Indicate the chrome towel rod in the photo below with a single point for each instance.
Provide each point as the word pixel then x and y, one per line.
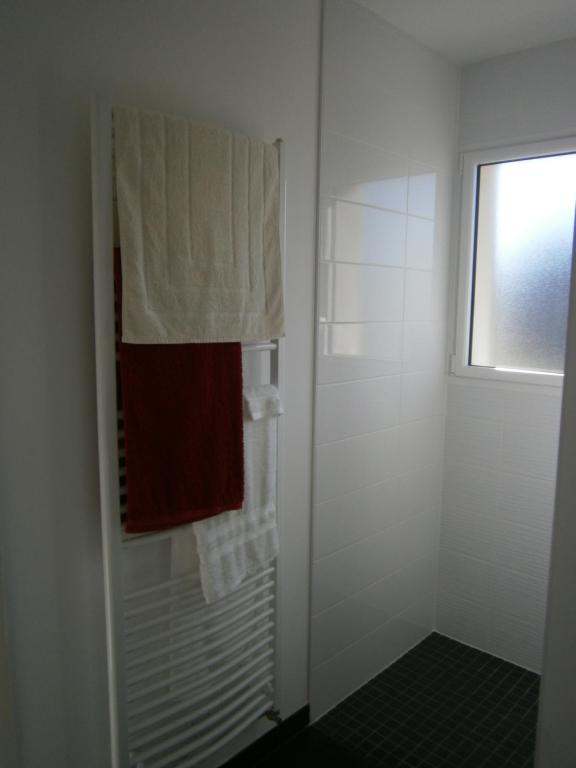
pixel 259 346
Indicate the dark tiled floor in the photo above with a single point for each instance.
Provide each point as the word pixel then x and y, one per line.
pixel 442 705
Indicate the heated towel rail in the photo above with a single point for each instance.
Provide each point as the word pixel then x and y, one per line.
pixel 188 682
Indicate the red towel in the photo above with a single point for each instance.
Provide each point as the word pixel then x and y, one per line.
pixel 183 428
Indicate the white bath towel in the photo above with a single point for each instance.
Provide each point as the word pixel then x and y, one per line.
pixel 198 212
pixel 234 545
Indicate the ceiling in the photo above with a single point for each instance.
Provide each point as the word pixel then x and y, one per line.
pixel 472 30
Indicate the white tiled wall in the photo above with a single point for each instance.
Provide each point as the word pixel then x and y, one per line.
pixel 508 100
pixel 501 443
pixel 410 534
pixel 388 138
pixel 502 438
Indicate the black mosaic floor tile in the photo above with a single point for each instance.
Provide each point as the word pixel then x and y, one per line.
pixel 313 748
pixel 442 705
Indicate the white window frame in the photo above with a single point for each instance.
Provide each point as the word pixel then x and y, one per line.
pixel 469 167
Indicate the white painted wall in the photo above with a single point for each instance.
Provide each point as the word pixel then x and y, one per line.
pixel 518 97
pixel 250 66
pixel 502 438
pixel 388 142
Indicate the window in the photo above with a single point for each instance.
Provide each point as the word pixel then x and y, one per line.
pixel 516 256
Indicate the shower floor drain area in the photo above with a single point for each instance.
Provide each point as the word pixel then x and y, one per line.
pixel 442 705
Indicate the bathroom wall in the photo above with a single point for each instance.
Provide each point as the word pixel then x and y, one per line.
pixel 250 66
pixel 502 438
pixel 501 445
pixel 388 138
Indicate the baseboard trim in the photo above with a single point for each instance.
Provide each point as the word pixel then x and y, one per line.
pixel 272 740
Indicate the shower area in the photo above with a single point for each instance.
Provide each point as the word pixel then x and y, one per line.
pixel 434 486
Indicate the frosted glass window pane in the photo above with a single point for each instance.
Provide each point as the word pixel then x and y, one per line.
pixel 524 231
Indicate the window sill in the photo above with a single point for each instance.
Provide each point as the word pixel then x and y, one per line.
pixel 511 376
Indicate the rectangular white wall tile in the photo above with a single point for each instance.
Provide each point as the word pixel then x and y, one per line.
pixel 356 171
pixel 418 297
pixel 466 577
pixel 473 441
pixel 468 399
pixel 510 545
pixel 420 445
pixel 530 450
pixel 359 565
pixel 534 409
pixel 423 347
pixel 464 620
pixel 353 408
pixel 342 674
pixel 396 123
pixel 520 595
pixel 527 500
pixel 483 627
pixel 354 516
pixel 358 351
pixel 505 402
pixel 355 567
pixel 422 191
pixel 355 462
pixel 419 491
pixel 522 641
pixel 468 534
pixel 417 537
pixel 419 243
pixel 522 548
pixel 362 234
pixel 487 599
pixel 471 489
pixel 351 619
pixel 352 293
pixel 422 395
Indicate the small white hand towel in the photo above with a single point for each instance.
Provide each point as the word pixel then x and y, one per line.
pixel 262 402
pixel 198 212
pixel 237 544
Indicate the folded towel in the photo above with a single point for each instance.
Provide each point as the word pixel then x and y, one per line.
pixel 262 402
pixel 183 427
pixel 236 544
pixel 198 213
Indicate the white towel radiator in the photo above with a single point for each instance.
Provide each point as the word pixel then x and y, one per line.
pixel 189 682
